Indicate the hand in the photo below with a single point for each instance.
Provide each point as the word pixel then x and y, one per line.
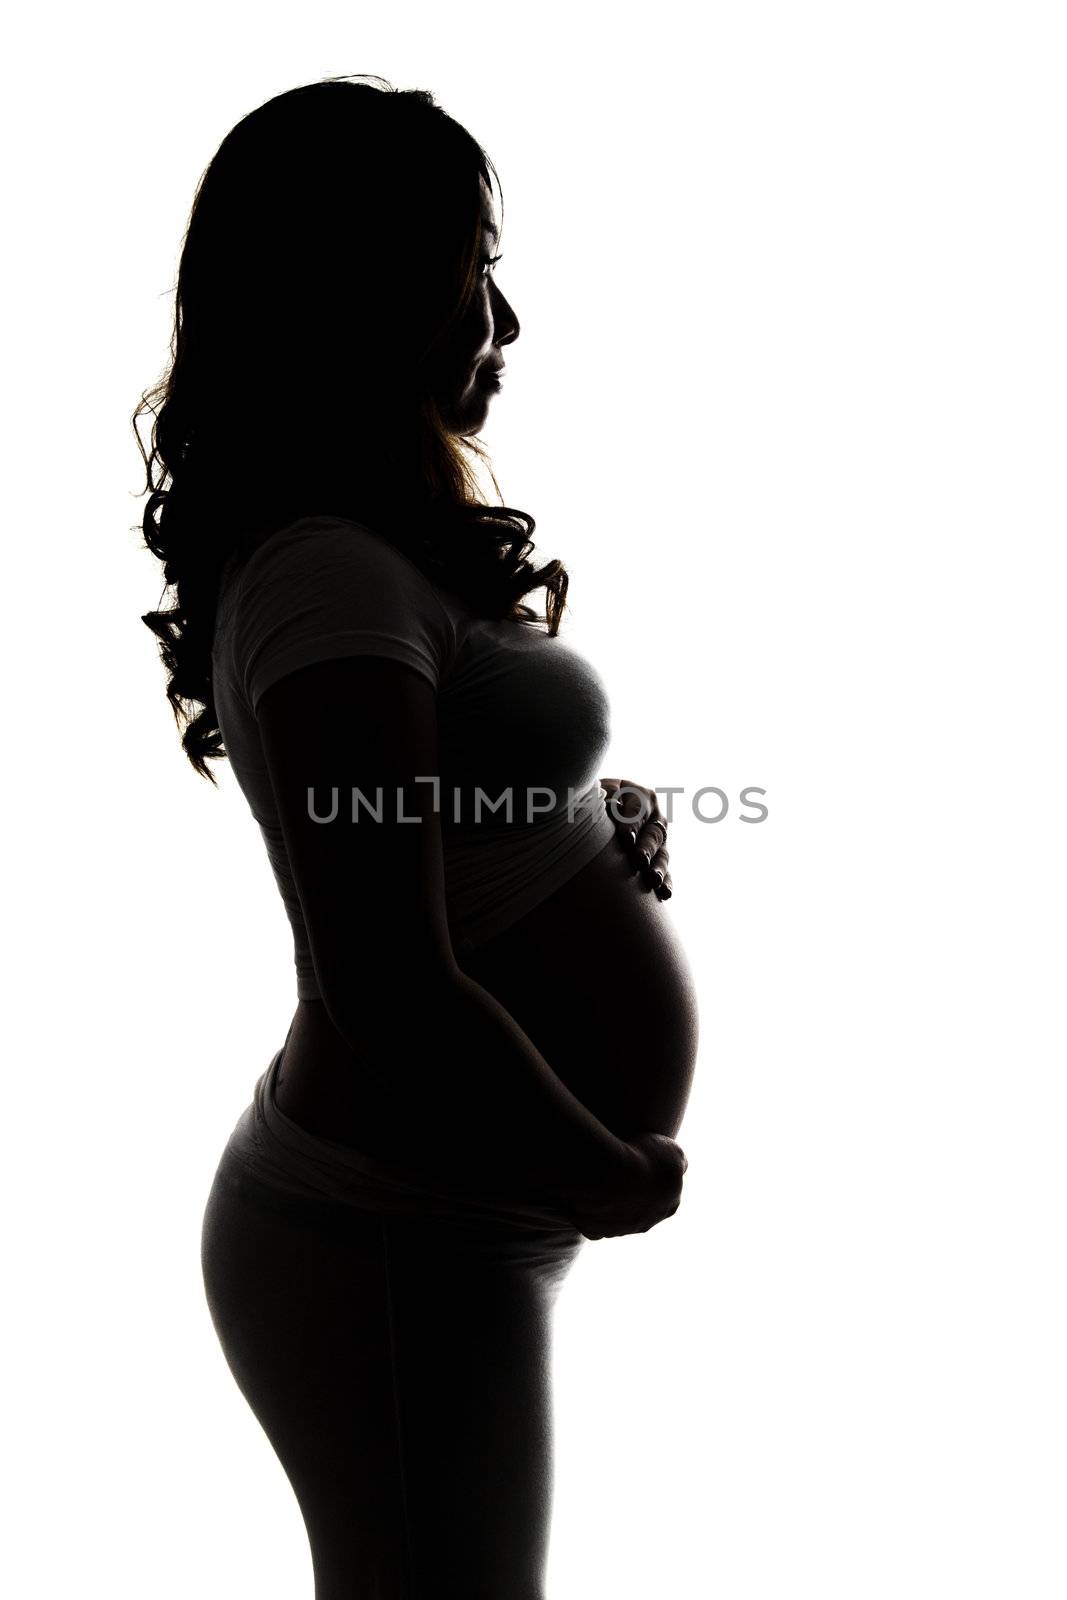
pixel 651 1192
pixel 642 831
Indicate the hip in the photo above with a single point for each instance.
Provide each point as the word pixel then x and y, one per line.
pixel 271 1161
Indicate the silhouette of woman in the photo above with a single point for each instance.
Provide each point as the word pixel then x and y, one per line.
pixel 496 1028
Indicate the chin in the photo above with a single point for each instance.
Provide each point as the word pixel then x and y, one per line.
pixel 471 420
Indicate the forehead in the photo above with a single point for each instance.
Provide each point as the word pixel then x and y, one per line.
pixel 488 215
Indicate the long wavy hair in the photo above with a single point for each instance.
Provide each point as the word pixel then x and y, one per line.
pixel 332 247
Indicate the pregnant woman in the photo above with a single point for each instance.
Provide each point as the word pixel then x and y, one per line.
pixel 495 1028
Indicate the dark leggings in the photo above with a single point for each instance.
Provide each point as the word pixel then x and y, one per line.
pixel 399 1365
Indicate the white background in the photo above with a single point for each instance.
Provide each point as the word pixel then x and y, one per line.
pixel 789 401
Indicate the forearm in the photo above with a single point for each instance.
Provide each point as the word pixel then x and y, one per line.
pixel 459 1090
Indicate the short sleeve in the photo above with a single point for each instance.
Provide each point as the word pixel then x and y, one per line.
pixel 323 589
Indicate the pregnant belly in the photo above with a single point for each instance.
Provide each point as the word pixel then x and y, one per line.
pixel 596 975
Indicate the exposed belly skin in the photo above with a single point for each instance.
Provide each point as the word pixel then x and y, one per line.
pixel 595 975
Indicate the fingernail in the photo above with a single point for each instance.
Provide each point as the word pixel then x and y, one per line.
pixel 658 877
pixel 646 859
pixel 631 834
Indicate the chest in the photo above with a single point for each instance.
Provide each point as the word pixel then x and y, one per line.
pixel 520 707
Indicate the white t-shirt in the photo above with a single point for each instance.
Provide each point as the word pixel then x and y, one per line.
pixel 520 715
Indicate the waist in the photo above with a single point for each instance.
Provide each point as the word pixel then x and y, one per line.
pixel 291 1159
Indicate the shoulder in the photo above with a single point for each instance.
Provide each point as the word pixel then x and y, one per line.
pixel 325 587
pixel 324 542
pixel 319 552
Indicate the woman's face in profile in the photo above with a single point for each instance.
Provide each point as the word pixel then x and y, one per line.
pixel 474 356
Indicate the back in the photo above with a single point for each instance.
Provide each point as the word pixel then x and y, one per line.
pixel 523 720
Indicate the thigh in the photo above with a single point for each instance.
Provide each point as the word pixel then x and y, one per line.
pixel 401 1370
pixel 471 1331
pixel 297 1297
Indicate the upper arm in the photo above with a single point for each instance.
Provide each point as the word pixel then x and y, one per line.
pixel 327 588
pixel 339 644
pixel 372 893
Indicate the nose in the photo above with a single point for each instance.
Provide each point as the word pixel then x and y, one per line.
pixel 505 322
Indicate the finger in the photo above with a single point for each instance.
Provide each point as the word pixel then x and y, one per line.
pixel 657 867
pixel 651 842
pixel 632 807
pixel 624 811
pixel 666 888
pixel 632 803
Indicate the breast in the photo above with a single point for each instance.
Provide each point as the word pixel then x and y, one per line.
pixel 522 710
pixel 597 976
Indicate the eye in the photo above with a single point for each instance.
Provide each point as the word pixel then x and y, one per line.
pixel 488 262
